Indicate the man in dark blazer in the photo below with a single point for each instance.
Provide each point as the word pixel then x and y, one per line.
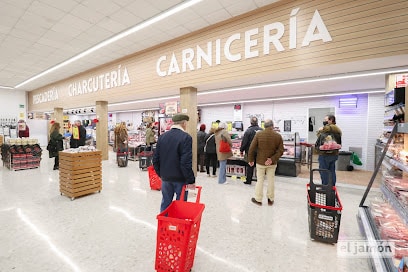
pixel 172 160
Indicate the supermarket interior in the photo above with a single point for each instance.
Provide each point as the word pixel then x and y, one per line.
pixel 96 68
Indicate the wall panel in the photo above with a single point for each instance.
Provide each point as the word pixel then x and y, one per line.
pixel 360 30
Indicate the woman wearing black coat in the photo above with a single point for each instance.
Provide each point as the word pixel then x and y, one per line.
pixel 56 144
pixel 210 153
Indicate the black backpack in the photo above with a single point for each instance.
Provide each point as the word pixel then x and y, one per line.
pixel 328 142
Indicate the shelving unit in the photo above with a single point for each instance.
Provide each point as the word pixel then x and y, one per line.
pixel 394 138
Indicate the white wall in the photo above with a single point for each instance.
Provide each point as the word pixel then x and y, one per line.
pixel 39 129
pixel 10 104
pixel 360 126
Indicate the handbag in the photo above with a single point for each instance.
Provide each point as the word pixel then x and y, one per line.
pixel 224 145
pixel 51 147
pixel 206 142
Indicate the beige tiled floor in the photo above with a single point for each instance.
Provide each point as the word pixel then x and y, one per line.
pixel 115 230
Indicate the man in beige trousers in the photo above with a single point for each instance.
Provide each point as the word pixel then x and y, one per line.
pixel 269 147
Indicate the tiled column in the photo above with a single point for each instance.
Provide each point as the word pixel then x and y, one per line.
pixel 59 116
pixel 188 105
pixel 102 128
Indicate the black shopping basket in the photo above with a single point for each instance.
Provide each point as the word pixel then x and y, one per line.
pixel 122 156
pixel 177 234
pixel 324 210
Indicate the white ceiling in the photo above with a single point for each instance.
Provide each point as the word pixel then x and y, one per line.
pixel 36 35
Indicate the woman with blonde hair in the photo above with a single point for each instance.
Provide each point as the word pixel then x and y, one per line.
pixel 121 138
pixel 55 144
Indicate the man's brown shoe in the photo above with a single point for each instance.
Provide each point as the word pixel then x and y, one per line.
pixel 256 202
pixel 270 202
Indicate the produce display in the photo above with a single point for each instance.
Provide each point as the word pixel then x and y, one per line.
pixel 20 157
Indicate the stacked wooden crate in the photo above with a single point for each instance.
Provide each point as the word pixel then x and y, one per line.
pixel 80 173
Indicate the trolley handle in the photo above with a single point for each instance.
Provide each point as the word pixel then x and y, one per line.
pixel 198 193
pixel 330 183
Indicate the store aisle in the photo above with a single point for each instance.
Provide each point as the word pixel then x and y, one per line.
pixel 115 230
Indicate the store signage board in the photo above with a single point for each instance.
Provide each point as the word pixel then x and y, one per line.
pixel 282 38
pixel 237 112
pixel 401 80
pixel 104 81
pixel 270 36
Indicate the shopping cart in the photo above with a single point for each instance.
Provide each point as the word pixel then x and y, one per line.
pixel 324 210
pixel 177 233
pixel 154 179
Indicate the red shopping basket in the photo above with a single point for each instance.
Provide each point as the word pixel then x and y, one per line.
pixel 177 233
pixel 154 179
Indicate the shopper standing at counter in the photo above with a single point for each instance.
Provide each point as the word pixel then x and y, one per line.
pixel 327 159
pixel 222 135
pixel 210 153
pixel 246 142
pixel 78 137
pixel 150 139
pixel 269 146
pixel 172 160
pixel 201 135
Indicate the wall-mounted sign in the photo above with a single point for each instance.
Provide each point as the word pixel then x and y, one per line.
pixel 269 36
pixel 171 108
pixel 109 80
pixel 47 96
pixel 401 81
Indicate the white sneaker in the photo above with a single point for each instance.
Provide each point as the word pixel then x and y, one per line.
pixel 225 183
pixel 208 175
pixel 214 176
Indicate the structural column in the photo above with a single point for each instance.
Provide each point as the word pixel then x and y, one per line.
pixel 102 128
pixel 59 115
pixel 188 105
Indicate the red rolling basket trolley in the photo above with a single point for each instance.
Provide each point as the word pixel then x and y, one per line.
pixel 324 210
pixel 154 179
pixel 177 233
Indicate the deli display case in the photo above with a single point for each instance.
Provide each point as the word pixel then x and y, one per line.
pixel 289 162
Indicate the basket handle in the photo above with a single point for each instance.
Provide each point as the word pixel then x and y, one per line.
pixel 198 193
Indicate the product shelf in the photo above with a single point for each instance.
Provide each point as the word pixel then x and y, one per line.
pixel 370 232
pixel 393 200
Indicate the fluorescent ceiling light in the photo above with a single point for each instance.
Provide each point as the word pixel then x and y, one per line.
pixel 283 83
pixel 142 25
pixel 294 97
pixel 147 109
pixel 6 87
pixel 309 80
pixel 144 100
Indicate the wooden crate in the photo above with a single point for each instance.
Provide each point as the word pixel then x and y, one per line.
pixel 80 173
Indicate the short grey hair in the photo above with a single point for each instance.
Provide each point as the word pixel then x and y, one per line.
pixel 180 122
pixel 268 123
